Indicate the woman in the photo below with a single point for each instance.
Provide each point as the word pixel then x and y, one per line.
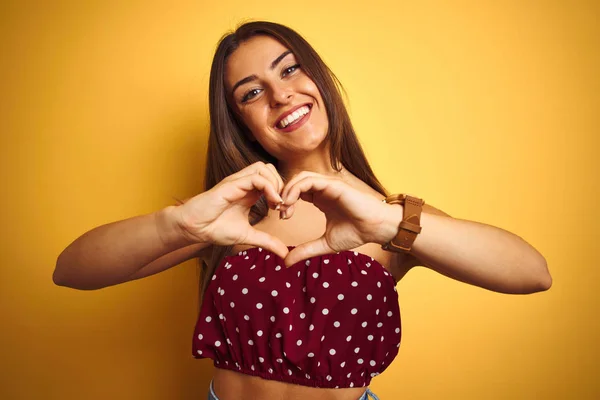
pixel 301 245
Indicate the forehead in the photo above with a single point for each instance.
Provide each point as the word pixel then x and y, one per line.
pixel 253 56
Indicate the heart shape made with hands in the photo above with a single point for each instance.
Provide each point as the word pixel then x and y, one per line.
pixel 353 217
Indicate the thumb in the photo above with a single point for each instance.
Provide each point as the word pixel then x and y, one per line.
pixel 307 250
pixel 261 239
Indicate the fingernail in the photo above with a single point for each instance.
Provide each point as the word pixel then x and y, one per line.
pixel 277 207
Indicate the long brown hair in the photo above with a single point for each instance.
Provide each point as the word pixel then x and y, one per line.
pixel 230 149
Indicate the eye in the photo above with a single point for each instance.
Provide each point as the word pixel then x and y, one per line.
pixel 291 69
pixel 250 95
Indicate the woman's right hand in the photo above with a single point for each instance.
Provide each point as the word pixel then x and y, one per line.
pixel 220 215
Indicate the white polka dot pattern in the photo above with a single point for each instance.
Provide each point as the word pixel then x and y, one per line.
pixel 323 322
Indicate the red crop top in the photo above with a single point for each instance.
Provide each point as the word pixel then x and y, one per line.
pixel 330 321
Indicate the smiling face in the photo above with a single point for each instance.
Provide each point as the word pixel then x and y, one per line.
pixel 276 100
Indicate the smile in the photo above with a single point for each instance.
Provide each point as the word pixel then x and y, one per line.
pixel 294 119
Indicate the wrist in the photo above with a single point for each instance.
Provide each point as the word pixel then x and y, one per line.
pixel 170 228
pixel 392 217
pixel 409 226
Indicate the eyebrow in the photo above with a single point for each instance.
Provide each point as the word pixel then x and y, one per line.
pixel 254 77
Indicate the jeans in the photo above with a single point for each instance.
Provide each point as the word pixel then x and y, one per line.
pixel 367 395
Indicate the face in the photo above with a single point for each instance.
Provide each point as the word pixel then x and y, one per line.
pixel 276 100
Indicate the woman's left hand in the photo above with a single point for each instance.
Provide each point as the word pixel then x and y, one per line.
pixel 353 217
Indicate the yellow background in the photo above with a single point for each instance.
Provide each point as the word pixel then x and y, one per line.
pixel 486 109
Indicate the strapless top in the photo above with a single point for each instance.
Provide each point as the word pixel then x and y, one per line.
pixel 329 321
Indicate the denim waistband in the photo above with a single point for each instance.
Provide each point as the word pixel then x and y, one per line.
pixel 367 395
pixel 211 392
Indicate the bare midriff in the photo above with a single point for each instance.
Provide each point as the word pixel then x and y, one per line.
pixel 231 385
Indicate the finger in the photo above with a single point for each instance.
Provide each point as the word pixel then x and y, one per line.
pixel 261 239
pixel 266 170
pixel 255 182
pixel 308 197
pixel 266 173
pixel 249 170
pixel 270 174
pixel 275 173
pixel 310 185
pixel 267 188
pixel 296 179
pixel 259 167
pixel 307 250
pixel 287 214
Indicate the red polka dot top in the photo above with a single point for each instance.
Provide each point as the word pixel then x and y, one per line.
pixel 331 321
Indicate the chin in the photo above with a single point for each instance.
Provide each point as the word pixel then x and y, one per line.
pixel 312 137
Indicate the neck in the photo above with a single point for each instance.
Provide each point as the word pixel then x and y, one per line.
pixel 318 162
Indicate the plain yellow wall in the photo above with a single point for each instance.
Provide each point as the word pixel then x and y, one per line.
pixel 486 109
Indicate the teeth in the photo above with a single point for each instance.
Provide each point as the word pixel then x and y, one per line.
pixel 296 115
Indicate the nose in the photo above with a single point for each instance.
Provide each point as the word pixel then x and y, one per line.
pixel 280 95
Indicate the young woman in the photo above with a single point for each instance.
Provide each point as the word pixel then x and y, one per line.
pixel 301 246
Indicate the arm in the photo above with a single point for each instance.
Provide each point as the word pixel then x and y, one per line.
pixel 474 253
pixel 125 250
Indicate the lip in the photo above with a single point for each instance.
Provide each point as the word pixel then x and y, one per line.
pixel 290 111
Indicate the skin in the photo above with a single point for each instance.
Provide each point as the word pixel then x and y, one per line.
pixel 275 92
pixel 305 149
pixel 467 251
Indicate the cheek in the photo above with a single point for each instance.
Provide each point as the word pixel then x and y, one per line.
pixel 255 118
pixel 322 108
pixel 249 120
pixel 310 88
